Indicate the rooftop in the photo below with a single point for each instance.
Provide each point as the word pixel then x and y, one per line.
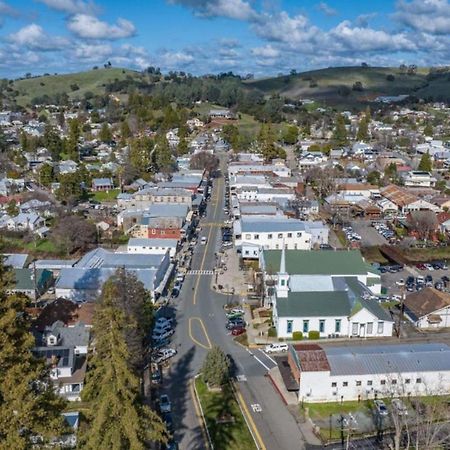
pixel 312 262
pixel 426 301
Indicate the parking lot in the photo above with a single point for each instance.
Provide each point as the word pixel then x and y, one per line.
pixel 369 235
pixel 395 282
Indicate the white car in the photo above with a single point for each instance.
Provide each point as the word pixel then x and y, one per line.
pixel 237 311
pixel 400 407
pixel 204 240
pixel 179 277
pixel 159 335
pixel 276 348
pixel 163 355
pixel 400 282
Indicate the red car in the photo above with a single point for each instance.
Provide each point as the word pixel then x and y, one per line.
pixel 237 331
pixel 421 267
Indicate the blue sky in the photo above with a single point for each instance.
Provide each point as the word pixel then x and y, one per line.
pixel 262 37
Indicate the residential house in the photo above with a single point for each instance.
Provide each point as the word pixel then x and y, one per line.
pixel 419 178
pixel 102 184
pixel 25 221
pixel 350 373
pixel 65 349
pixel 221 114
pixel 32 282
pixel 67 166
pixel 428 308
pixel 405 201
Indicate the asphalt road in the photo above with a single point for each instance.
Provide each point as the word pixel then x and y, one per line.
pixel 200 325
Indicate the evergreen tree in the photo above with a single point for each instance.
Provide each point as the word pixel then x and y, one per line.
pixel 125 131
pixel 117 418
pixel 29 406
pixel 216 367
pixel 426 164
pixel 182 148
pixel 363 130
pixel 52 142
pixel 72 141
pixel 266 140
pixel 340 132
pixel 105 133
pixel 428 130
pixel 290 134
pixel 24 143
pixel 162 155
pixel 46 174
pixel 139 155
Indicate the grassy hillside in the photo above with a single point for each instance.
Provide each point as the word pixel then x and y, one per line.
pixel 327 85
pixel 92 80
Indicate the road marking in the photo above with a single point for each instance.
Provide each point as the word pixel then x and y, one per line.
pixel 249 419
pixel 195 341
pixel 194 298
pixel 256 407
pixel 257 359
pixel 200 272
pixel 199 415
pixel 269 357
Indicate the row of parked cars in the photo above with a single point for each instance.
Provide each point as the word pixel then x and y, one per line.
pixel 384 230
pixel 350 234
pixel 235 321
pixel 434 265
pixel 418 283
pixel 398 407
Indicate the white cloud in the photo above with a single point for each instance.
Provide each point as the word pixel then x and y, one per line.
pixel 34 37
pixel 173 60
pixel 265 52
pixel 72 6
pixel 430 16
pixel 326 9
pixel 232 9
pixel 93 52
pixel 90 27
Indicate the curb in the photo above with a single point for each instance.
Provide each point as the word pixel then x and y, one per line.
pixel 277 388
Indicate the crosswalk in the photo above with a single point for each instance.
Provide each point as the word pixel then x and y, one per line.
pixel 200 272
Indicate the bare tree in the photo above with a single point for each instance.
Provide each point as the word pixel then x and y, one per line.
pixel 424 223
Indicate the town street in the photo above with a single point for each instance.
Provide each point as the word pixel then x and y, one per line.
pixel 201 324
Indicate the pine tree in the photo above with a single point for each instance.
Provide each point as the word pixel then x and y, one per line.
pixel 72 141
pixel 363 130
pixel 163 155
pixel 182 148
pixel 28 404
pixel 340 132
pixel 117 417
pixel 216 367
pixel 426 164
pixel 105 133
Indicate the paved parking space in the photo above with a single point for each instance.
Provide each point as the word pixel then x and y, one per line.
pixel 369 235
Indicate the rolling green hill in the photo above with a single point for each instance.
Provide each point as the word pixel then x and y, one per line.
pixel 333 86
pixel 92 80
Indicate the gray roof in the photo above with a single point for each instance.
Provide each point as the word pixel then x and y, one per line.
pixel 100 257
pixel 15 260
pixel 395 359
pixel 76 336
pixel 153 242
pixel 102 181
pixel 270 224
pixel 166 210
pixel 93 278
pixel 54 264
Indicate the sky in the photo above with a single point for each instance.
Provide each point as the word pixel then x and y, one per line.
pixel 262 37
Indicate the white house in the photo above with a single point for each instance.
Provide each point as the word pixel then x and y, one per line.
pixel 152 246
pixel 428 309
pixel 276 232
pixel 332 374
pixel 419 178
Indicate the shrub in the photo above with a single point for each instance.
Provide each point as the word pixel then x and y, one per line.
pixel 297 336
pixel 273 332
pixel 313 335
pixel 390 77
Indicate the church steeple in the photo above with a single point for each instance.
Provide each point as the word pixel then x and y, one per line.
pixel 283 277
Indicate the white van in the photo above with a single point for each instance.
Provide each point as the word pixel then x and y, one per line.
pixel 276 348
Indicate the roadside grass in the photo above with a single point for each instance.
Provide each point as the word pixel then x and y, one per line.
pixel 225 436
pixel 427 254
pixel 105 196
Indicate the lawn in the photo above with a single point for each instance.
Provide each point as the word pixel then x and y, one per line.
pixel 41 247
pixel 225 436
pixel 106 196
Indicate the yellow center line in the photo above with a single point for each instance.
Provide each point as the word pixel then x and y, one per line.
pixel 196 341
pixel 194 298
pixel 250 419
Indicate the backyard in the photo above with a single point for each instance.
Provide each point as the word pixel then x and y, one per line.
pixel 225 422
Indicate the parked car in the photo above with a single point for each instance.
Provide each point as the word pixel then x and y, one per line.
pixel 162 326
pixel 164 355
pixel 234 315
pixel 235 324
pixel 162 335
pixel 276 348
pixel 380 407
pixel 175 292
pixel 164 404
pixel 237 310
pixel 162 321
pixel 156 377
pixel 400 282
pixel 204 240
pixel 179 277
pixel 237 331
pixel 399 407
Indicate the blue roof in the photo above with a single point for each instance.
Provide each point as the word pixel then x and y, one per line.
pixel 15 260
pixel 102 182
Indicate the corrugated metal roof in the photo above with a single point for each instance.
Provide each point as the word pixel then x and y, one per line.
pixel 269 224
pixel 150 242
pixel 386 359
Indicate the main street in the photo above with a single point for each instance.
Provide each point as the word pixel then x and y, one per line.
pixel 200 325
